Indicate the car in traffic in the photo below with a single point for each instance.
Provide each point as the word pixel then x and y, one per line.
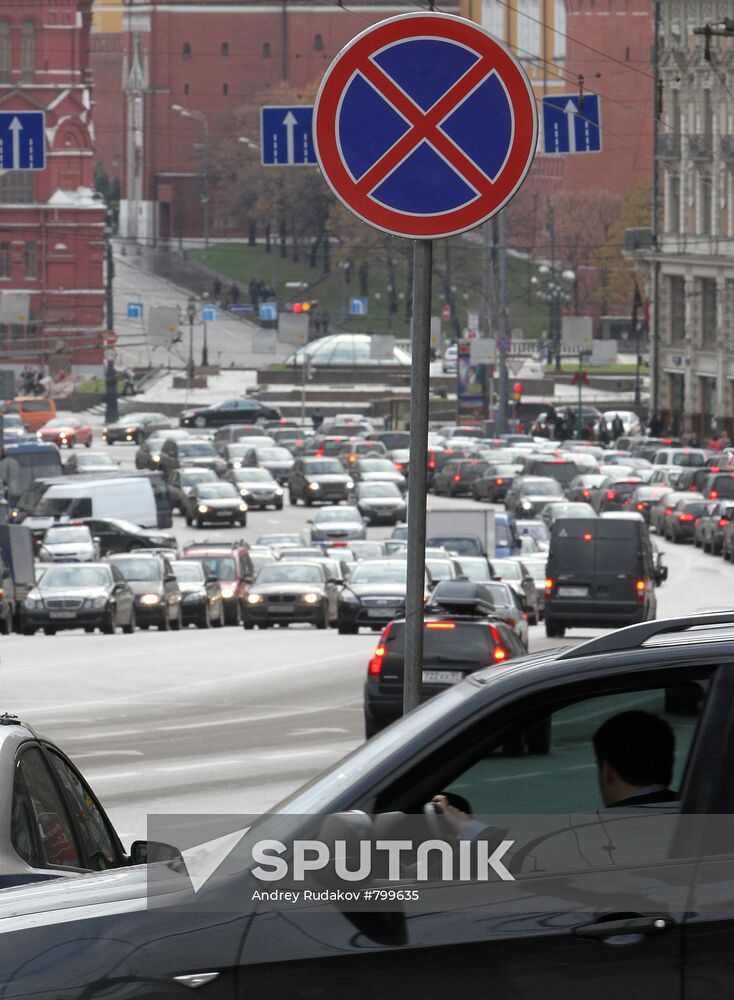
pixel 331 524
pixel 177 454
pixel 318 479
pixel 363 549
pixel 494 482
pixel 614 494
pixel 381 470
pixel 201 594
pixel 662 508
pixel 257 487
pixel 507 605
pixel 118 535
pixel 229 411
pixel 182 481
pixel 644 496
pixel 680 523
pixel 291 591
pixel 563 509
pixel 528 494
pixel 278 461
pixel 582 488
pixel 515 572
pixel 148 453
pixel 460 636
pixel 68 543
pixel 155 588
pixel 478 569
pixel 65 432
pixel 536 529
pixel 88 596
pixel 13 428
pixel 135 427
pixel 231 565
pixel 457 478
pixel 374 594
pixel 89 463
pixel 379 502
pixel 218 503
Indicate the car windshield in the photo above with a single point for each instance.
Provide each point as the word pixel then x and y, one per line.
pixel 536 530
pixel 59 422
pixel 475 568
pixel 190 477
pixel 376 465
pixel 222 567
pixel 76 576
pixel 139 569
pixel 500 594
pixel 217 491
pixel 338 514
pixel 365 550
pixel 273 454
pixel 507 569
pixel 288 573
pixel 378 490
pixel 324 467
pixel 536 568
pixel 440 569
pixel 379 573
pixel 94 458
pixel 60 536
pixel 254 476
pixel 188 571
pixel 695 508
pixel 290 538
pixel 541 488
pixel 196 448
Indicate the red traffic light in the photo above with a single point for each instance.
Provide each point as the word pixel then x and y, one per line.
pixel 517 390
pixel 297 307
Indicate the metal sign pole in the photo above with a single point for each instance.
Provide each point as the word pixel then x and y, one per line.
pixel 420 337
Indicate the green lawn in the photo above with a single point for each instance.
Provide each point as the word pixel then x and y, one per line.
pixel 241 263
pixel 569 367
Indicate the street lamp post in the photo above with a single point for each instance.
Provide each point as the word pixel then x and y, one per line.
pixel 111 407
pixel 549 287
pixel 191 314
pixel 205 341
pixel 202 118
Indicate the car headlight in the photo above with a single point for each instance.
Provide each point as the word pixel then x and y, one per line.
pixel 156 458
pixel 347 597
pixel 33 601
pixel 228 589
pixel 202 508
pixel 279 492
pixel 310 598
pixel 243 506
pixel 244 492
pixel 96 603
pixel 314 486
pixel 236 465
pixel 43 554
pixel 255 598
pixel 150 599
pixel 350 484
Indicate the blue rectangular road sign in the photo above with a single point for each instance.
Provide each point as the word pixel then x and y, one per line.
pixel 209 314
pixel 566 129
pixel 22 140
pixel 135 310
pixel 285 136
pixel 358 306
pixel 269 310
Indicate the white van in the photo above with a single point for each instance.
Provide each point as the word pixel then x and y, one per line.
pixel 131 499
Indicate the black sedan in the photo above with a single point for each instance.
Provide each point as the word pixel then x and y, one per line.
pixel 90 462
pixel 95 595
pixel 135 427
pixel 229 411
pixel 378 470
pixel 220 503
pixel 287 592
pixel 374 595
pixel 494 482
pixel 257 487
pixel 201 594
pixel 182 481
pixel 117 535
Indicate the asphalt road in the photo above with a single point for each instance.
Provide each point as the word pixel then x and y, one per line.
pixel 228 720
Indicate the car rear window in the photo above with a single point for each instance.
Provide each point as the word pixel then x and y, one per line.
pixel 562 472
pixel 448 642
pixel 723 487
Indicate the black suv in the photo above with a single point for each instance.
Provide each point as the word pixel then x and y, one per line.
pixel 639 897
pixel 461 635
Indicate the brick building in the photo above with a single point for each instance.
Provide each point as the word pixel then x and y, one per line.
pixel 51 226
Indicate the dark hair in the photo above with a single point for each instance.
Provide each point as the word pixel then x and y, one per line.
pixel 639 746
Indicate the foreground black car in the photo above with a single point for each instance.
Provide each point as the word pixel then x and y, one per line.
pixel 635 898
pixel 88 596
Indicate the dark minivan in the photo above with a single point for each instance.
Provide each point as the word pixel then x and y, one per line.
pixel 600 573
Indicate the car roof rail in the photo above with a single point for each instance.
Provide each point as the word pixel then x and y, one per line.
pixel 216 543
pixel 635 636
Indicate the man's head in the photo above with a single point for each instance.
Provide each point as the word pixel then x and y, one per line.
pixel 633 750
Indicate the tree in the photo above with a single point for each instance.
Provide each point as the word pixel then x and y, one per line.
pixel 617 272
pixel 583 221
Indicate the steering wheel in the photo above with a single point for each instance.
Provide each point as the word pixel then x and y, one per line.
pixel 437 826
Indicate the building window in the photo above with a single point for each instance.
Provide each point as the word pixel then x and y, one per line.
pixel 16 187
pixel 266 50
pixel 673 203
pixel 186 88
pixel 704 202
pixel 707 124
pixel 677 290
pixel 186 51
pixel 225 89
pixel 708 310
pixel 27 51
pixel 224 50
pixel 4 52
pixel 318 43
pixel 30 260
pixel 4 259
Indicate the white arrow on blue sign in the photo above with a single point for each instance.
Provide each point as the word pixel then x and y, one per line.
pixel 209 314
pixel 22 140
pixel 135 310
pixel 268 311
pixel 567 129
pixel 358 306
pixel 285 136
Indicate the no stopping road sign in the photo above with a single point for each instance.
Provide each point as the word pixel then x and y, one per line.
pixel 424 125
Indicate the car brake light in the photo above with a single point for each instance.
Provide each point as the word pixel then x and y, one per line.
pixel 640 587
pixel 685 517
pixel 723 521
pixel 449 451
pixel 713 494
pixel 375 666
pixel 320 453
pixel 399 466
pixel 611 495
pixel 500 653
pixel 548 586
pixel 667 512
pixel 457 477
pixel 640 506
pixel 587 536
pixel 586 493
pixel 445 626
pixel 431 462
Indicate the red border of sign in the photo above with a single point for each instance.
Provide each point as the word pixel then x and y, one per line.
pixel 338 76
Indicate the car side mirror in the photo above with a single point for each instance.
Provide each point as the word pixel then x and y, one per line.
pixel 211 579
pixel 661 575
pixel 310 521
pixel 96 539
pixel 334 580
pixel 148 852
pixel 170 578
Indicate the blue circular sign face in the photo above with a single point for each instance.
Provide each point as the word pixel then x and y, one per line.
pixel 424 125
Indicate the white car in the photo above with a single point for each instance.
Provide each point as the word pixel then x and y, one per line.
pixel 69 543
pixel 630 421
pixel 450 356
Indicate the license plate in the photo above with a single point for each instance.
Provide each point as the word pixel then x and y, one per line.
pixel 573 591
pixel 379 612
pixel 224 513
pixel 283 608
pixel 62 614
pixel 442 676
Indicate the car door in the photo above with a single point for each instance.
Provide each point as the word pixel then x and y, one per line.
pixel 123 596
pixel 597 897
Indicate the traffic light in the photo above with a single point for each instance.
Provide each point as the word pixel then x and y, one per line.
pixel 301 307
pixel 517 391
